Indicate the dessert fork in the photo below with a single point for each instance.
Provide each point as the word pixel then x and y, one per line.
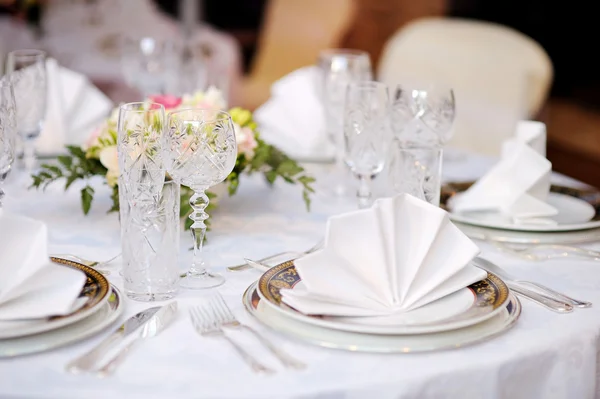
pixel 205 323
pixel 291 254
pixel 226 317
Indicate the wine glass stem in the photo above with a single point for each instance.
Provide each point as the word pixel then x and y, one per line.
pixel 199 202
pixel 29 155
pixel 364 191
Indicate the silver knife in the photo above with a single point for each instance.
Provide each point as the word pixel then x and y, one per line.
pixel 543 300
pixel 256 265
pixel 151 328
pixel 86 362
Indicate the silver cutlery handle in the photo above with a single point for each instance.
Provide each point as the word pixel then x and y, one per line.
pixel 284 358
pixel 87 361
pixel 256 366
pixel 549 303
pixel 562 297
pixel 245 266
pixel 116 360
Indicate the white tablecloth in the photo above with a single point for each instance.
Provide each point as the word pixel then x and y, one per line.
pixel 545 355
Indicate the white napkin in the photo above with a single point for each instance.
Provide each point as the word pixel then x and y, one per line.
pixel 518 185
pixel 75 108
pixel 30 285
pixel 293 118
pixel 396 256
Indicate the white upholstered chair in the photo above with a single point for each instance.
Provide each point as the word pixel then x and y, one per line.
pixel 498 74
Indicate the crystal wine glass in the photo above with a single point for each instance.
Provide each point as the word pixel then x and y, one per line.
pixel 366 133
pixel 27 69
pixel 199 151
pixel 8 131
pixel 339 67
pixel 150 65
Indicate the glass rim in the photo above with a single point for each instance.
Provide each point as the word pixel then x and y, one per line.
pixel 129 107
pixel 367 84
pixel 27 54
pixel 225 114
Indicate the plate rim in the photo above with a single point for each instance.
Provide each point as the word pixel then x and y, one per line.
pixel 75 316
pixel 101 325
pixel 513 317
pixel 262 284
pixel 450 189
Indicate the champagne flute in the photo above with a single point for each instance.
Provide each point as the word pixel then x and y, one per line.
pixel 199 151
pixel 27 69
pixel 8 131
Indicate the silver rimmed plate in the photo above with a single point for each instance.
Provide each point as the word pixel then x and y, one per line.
pixel 93 296
pixel 108 313
pixel 469 306
pixel 357 342
pixel 578 209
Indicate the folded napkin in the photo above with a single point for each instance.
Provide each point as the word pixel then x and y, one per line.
pixel 74 109
pixel 518 185
pixel 30 285
pixel 396 256
pixel 293 118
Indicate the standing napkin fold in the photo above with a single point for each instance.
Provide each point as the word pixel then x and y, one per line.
pixel 399 255
pixel 30 285
pixel 293 118
pixel 518 185
pixel 75 108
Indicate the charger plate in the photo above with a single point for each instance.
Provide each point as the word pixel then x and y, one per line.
pixel 474 304
pixel 578 209
pixel 108 313
pixel 357 342
pixel 93 295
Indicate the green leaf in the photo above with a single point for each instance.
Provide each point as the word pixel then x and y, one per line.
pixel 54 169
pixel 65 161
pixel 271 175
pixel 87 196
pixel 76 151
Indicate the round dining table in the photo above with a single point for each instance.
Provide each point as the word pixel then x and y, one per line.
pixel 544 355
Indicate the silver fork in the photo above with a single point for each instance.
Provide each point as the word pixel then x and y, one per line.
pixel 535 253
pixel 227 319
pixel 291 254
pixel 205 323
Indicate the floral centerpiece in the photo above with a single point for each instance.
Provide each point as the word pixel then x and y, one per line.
pixel 99 155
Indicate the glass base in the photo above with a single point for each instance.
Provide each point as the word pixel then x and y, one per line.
pixel 151 297
pixel 201 281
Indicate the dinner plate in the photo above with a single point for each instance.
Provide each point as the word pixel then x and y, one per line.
pixel 108 313
pixel 471 305
pixel 578 209
pixel 358 342
pixel 93 295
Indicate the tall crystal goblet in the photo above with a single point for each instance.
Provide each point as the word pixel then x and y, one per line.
pixel 366 133
pixel 27 69
pixel 8 131
pixel 199 151
pixel 339 68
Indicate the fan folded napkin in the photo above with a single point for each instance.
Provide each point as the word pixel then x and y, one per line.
pixel 293 118
pixel 396 256
pixel 518 185
pixel 30 285
pixel 74 109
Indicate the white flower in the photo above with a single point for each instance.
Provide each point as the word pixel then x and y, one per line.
pixel 246 143
pixel 109 159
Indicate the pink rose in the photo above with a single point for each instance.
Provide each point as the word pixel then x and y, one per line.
pixel 168 101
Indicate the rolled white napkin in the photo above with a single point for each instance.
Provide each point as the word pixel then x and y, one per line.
pixel 293 118
pixel 518 185
pixel 75 107
pixel 30 285
pixel 396 256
